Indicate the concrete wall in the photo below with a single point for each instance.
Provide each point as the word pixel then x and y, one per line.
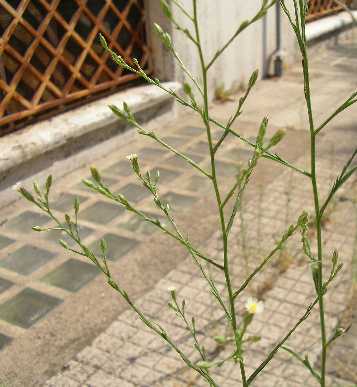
pixel 218 21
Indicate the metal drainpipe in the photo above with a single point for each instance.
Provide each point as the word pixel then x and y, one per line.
pixel 278 60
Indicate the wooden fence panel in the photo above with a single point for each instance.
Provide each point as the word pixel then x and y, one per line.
pixel 50 55
pixel 322 8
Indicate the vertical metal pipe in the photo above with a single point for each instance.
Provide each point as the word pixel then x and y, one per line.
pixel 278 61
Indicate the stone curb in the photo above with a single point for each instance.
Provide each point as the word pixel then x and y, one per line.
pixel 36 146
pixel 325 26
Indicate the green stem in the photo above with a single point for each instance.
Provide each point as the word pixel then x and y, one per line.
pixel 205 117
pixel 320 291
pixel 242 371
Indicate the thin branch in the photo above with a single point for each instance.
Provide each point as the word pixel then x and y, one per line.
pixel 341 179
pixel 281 342
pixel 292 229
pixel 118 198
pixel 349 102
pixel 178 153
pixel 261 13
pixel 305 362
pixel 187 71
pixel 238 112
pixel 266 154
pixel 182 9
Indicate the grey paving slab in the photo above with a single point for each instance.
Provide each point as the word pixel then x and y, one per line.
pixel 27 307
pixel 178 162
pixel 4 340
pixel 134 192
pixel 175 141
pixel 196 183
pixel 72 275
pixel 152 153
pixel 81 186
pixel 5 284
pixel 238 155
pixel 179 201
pixel 56 235
pixel 117 246
pixel 26 259
pixel 165 175
pixel 225 169
pixel 5 241
pixel 191 131
pixel 25 221
pixel 121 168
pixel 200 147
pixel 140 226
pixel 101 212
pixel 65 202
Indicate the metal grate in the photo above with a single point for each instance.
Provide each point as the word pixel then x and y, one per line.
pixel 50 55
pixel 322 8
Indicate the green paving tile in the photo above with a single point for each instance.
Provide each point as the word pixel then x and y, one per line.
pixel 5 241
pixel 101 212
pixel 27 307
pixel 191 131
pixel 179 162
pixel 65 202
pixel 4 284
pixel 26 220
pixel 134 192
pixel 4 340
pixel 177 200
pixel 117 246
pixel 72 275
pixel 166 175
pixel 26 260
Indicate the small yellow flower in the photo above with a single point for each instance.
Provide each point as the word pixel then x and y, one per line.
pixel 132 156
pixel 171 289
pixel 254 306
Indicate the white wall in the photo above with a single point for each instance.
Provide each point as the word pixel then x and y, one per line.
pixel 218 21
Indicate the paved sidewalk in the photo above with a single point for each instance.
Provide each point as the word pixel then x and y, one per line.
pixel 57 304
pixel 130 355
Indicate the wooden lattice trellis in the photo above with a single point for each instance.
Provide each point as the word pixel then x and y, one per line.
pixel 50 55
pixel 321 8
